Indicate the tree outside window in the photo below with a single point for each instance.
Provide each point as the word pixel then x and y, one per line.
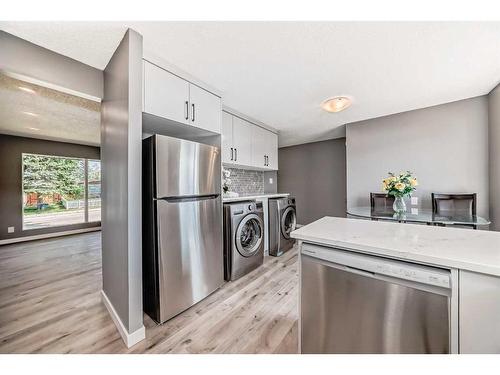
pixel 55 191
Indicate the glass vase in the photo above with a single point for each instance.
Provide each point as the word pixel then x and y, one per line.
pixel 399 205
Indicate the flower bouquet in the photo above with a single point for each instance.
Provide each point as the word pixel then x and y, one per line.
pixel 399 186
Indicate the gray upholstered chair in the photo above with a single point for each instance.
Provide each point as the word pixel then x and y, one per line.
pixel 455 205
pixel 381 204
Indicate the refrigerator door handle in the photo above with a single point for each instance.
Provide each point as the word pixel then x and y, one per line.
pixel 188 198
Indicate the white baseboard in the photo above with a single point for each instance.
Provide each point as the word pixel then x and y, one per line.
pixel 48 235
pixel 130 339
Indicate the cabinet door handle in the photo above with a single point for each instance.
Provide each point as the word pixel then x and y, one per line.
pixel 192 106
pixel 231 153
pixel 264 160
pixel 187 109
pixel 235 154
pixel 267 161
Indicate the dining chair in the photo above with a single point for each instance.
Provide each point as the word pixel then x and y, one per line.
pixel 381 203
pixel 455 204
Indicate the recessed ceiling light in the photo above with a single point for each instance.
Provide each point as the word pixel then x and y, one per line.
pixel 27 89
pixel 336 104
pixel 31 114
pixel 30 128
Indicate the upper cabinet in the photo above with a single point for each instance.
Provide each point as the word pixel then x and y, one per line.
pixel 242 141
pixel 169 96
pixel 248 145
pixel 227 138
pixel 205 109
pixel 272 151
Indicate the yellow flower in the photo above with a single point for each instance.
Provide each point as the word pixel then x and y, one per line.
pixel 414 182
pixel 393 179
pixel 400 186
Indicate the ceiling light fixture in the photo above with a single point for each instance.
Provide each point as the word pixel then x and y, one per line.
pixel 336 104
pixel 30 114
pixel 27 89
pixel 30 128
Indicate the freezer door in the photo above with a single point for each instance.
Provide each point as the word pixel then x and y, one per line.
pixel 185 168
pixel 190 252
pixel 347 312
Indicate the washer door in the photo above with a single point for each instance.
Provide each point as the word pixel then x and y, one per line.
pixel 288 222
pixel 249 235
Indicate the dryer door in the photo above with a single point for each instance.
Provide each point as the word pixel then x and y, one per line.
pixel 249 235
pixel 288 221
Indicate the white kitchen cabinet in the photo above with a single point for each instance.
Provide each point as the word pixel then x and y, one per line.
pixel 171 97
pixel 272 151
pixel 245 144
pixel 165 94
pixel 242 141
pixel 478 313
pixel 259 146
pixel 265 148
pixel 227 138
pixel 205 109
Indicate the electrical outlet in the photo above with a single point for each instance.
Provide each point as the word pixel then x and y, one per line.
pixel 10 230
pixel 270 180
pixel 414 201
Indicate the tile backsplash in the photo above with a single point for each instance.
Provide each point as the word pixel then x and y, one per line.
pixel 246 182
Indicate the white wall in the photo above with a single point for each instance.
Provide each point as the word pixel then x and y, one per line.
pixel 494 149
pixel 446 146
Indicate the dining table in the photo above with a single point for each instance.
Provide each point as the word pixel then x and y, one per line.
pixel 418 215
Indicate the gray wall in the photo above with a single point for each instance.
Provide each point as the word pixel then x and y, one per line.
pixel 494 157
pixel 315 174
pixel 11 197
pixel 121 155
pixel 30 61
pixel 270 182
pixel 446 146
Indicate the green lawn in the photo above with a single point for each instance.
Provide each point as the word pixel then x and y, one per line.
pixel 52 208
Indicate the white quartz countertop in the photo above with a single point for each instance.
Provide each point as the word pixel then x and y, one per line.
pixel 467 249
pixel 250 197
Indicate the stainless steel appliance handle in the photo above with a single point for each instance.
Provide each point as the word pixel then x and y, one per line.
pixel 188 198
pixel 187 109
pixel 192 106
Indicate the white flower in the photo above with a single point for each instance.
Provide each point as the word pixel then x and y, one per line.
pixel 228 181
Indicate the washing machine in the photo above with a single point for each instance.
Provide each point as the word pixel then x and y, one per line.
pixel 282 221
pixel 243 238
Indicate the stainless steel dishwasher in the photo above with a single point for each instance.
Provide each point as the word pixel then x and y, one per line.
pixel 355 303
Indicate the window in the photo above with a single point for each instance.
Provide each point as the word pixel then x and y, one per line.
pixel 60 191
pixel 94 190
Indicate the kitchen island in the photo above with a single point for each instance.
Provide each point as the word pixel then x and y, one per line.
pixel 401 288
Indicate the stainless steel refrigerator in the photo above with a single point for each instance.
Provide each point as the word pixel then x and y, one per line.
pixel 182 225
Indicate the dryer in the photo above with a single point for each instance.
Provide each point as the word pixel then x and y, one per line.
pixel 243 238
pixel 282 221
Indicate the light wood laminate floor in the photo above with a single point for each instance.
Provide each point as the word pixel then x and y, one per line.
pixel 50 303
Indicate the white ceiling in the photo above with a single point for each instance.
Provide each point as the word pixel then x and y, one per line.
pixel 280 72
pixel 47 114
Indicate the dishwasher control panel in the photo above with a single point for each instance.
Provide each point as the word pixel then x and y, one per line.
pixel 371 264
